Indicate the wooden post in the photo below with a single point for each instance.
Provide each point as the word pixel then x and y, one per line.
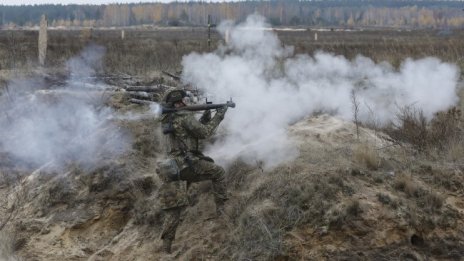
pixel 43 40
pixel 227 36
pixel 209 32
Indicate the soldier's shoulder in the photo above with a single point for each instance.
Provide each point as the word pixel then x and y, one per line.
pixel 180 116
pixel 177 114
pixel 183 114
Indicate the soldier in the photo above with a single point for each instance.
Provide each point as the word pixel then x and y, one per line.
pixel 186 163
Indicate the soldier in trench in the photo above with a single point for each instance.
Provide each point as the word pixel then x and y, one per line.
pixel 186 163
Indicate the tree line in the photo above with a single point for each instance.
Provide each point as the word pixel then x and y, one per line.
pixel 381 13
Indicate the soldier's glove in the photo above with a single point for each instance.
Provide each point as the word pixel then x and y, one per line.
pixel 222 111
pixel 206 117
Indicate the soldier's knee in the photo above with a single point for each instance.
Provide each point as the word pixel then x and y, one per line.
pixel 219 173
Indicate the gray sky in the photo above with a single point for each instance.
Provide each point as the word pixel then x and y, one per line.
pixel 31 2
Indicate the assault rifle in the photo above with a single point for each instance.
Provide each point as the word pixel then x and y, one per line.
pixel 198 107
pixel 173 76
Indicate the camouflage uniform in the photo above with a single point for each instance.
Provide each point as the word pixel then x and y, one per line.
pixel 183 145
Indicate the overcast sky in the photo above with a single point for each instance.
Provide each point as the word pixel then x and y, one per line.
pixel 32 2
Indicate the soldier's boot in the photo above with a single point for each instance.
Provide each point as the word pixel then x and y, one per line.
pixel 220 191
pixel 220 209
pixel 171 221
pixel 167 243
pixel 220 202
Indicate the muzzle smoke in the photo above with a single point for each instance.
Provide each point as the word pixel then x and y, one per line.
pixel 64 124
pixel 274 88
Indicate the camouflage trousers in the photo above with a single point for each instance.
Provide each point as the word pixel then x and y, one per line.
pixel 172 219
pixel 201 170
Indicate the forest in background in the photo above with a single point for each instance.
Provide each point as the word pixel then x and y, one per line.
pixel 346 13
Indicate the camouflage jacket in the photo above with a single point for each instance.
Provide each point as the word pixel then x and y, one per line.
pixel 187 132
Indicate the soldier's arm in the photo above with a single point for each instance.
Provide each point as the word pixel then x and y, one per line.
pixel 202 131
pixel 206 117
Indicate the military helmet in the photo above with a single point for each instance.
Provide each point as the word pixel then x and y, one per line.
pixel 173 96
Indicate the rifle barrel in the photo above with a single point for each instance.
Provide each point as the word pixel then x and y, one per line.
pixel 175 77
pixel 142 89
pixel 198 107
pixel 141 102
pixel 154 88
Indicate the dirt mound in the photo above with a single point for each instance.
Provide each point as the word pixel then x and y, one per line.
pixel 343 197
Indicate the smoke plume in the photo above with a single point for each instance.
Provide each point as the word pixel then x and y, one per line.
pixel 60 124
pixel 273 88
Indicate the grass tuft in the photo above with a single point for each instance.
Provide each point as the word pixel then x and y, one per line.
pixel 367 156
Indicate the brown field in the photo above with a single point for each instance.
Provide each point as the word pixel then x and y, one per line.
pixel 143 51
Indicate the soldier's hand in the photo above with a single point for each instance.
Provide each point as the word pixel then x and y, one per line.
pixel 207 115
pixel 222 110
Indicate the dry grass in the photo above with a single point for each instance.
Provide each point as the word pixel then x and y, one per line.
pixel 446 128
pixel 7 246
pixel 455 151
pixel 405 183
pixel 426 200
pixel 384 198
pixel 451 179
pixel 143 51
pixel 281 203
pixel 411 127
pixel 432 201
pixel 443 135
pixel 340 215
pixel 367 156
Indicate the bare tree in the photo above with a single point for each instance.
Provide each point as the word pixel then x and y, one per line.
pixel 372 121
pixel 355 104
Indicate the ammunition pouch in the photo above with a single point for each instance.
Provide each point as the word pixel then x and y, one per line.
pixel 168 170
pixel 167 128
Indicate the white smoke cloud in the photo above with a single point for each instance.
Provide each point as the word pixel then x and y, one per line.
pixel 274 88
pixel 66 124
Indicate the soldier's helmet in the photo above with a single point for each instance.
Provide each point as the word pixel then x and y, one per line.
pixel 173 96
